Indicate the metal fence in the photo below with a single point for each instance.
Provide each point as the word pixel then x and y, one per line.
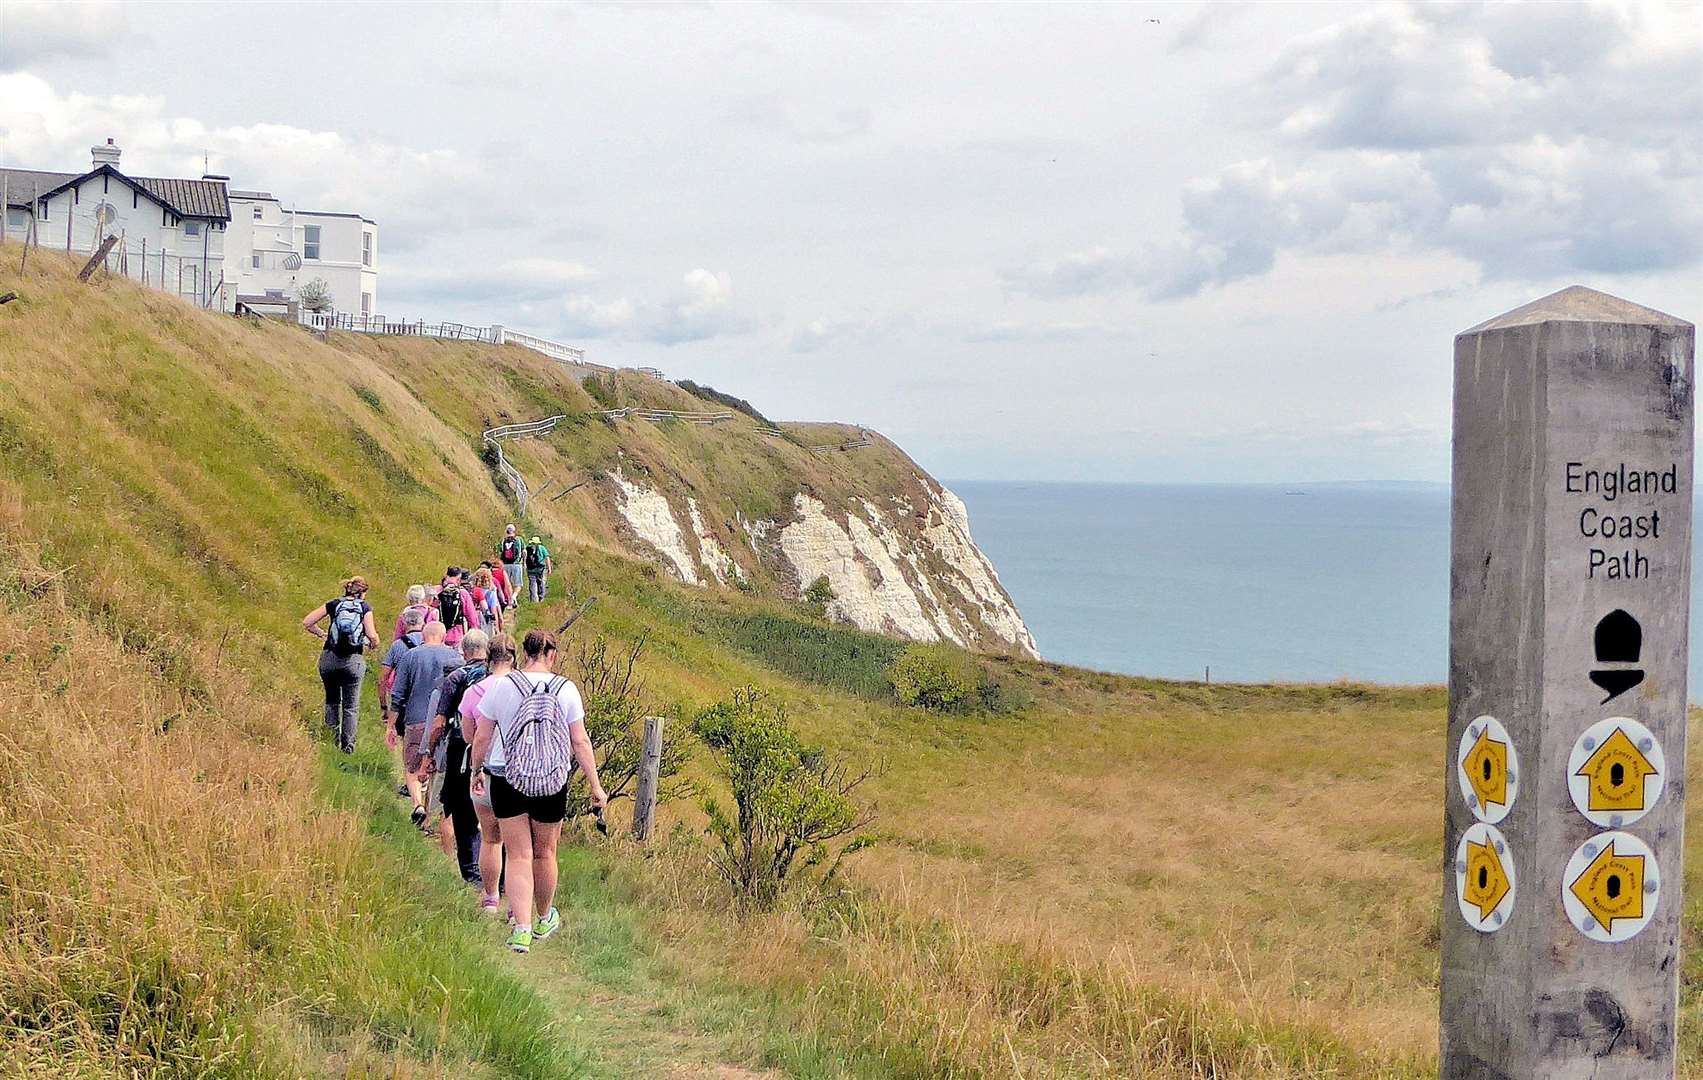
pixel 382 325
pixel 449 331
pixel 493 438
pixel 568 354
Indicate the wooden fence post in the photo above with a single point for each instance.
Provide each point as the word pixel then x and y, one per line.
pixel 650 766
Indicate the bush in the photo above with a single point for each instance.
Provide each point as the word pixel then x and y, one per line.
pixel 315 295
pixel 710 393
pixel 789 800
pixel 820 592
pixel 604 390
pixel 933 677
pixel 370 396
pixel 835 656
pixel 615 711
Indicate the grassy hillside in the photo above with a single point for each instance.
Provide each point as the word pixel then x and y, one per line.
pixel 1102 877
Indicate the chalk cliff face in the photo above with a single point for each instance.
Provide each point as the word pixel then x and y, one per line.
pixel 900 563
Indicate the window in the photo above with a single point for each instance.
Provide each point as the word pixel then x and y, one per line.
pixel 275 294
pixel 135 199
pixel 257 211
pixel 44 205
pixel 310 241
pixel 366 303
pixel 366 249
pixel 254 260
pixel 17 219
pixel 192 228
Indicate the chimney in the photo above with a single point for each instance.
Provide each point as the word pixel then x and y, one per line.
pixel 105 155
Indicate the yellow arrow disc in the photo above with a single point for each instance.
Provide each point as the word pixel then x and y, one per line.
pixel 1616 772
pixel 1487 769
pixel 1486 766
pixel 1612 886
pixel 1486 881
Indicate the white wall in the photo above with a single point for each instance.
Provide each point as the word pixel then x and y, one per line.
pixel 191 267
pixel 279 233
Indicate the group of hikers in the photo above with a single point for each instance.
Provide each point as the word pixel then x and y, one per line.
pixel 485 731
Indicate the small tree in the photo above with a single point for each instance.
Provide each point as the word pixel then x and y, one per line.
pixel 789 799
pixel 315 296
pixel 615 711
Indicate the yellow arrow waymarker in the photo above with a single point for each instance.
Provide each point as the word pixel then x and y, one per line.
pixel 1616 772
pixel 1486 881
pixel 1486 768
pixel 1612 887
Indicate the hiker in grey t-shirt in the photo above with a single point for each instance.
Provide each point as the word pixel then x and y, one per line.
pixel 417 678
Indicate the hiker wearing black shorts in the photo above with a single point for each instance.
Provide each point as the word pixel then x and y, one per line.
pixel 349 633
pixel 531 730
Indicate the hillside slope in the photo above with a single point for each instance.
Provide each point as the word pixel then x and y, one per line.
pixel 730 504
pixel 1091 876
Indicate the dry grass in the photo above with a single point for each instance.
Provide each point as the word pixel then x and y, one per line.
pixel 179 897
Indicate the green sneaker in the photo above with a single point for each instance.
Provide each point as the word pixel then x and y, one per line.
pixel 549 924
pixel 521 940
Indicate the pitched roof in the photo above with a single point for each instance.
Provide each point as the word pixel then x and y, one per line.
pixel 186 198
pixel 19 183
pixel 190 198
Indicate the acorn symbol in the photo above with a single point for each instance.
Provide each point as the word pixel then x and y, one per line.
pixel 1619 641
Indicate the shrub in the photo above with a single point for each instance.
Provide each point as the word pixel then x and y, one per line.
pixel 710 393
pixel 615 711
pixel 603 390
pixel 933 677
pixel 315 295
pixel 370 396
pixel 789 799
pixel 820 592
pixel 835 656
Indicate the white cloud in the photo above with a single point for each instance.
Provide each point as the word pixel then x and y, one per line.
pixel 1534 140
pixel 519 280
pixel 702 309
pixel 33 32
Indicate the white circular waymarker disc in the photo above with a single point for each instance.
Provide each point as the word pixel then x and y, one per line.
pixel 1484 878
pixel 1488 769
pixel 1611 887
pixel 1616 772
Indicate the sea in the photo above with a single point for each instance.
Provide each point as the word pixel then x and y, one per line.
pixel 1242 582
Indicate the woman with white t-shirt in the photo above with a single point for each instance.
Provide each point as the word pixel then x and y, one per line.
pixel 530 825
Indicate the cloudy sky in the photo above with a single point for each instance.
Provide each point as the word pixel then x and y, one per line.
pixel 1143 242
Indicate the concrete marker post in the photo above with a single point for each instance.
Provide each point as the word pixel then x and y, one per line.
pixel 1569 590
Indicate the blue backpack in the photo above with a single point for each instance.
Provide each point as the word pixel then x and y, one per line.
pixel 347 635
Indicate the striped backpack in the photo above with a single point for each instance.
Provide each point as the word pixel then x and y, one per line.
pixel 537 752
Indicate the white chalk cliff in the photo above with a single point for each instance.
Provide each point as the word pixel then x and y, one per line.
pixel 647 513
pixel 905 571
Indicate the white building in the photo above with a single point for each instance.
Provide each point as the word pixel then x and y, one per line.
pixel 278 250
pixel 196 238
pixel 172 232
